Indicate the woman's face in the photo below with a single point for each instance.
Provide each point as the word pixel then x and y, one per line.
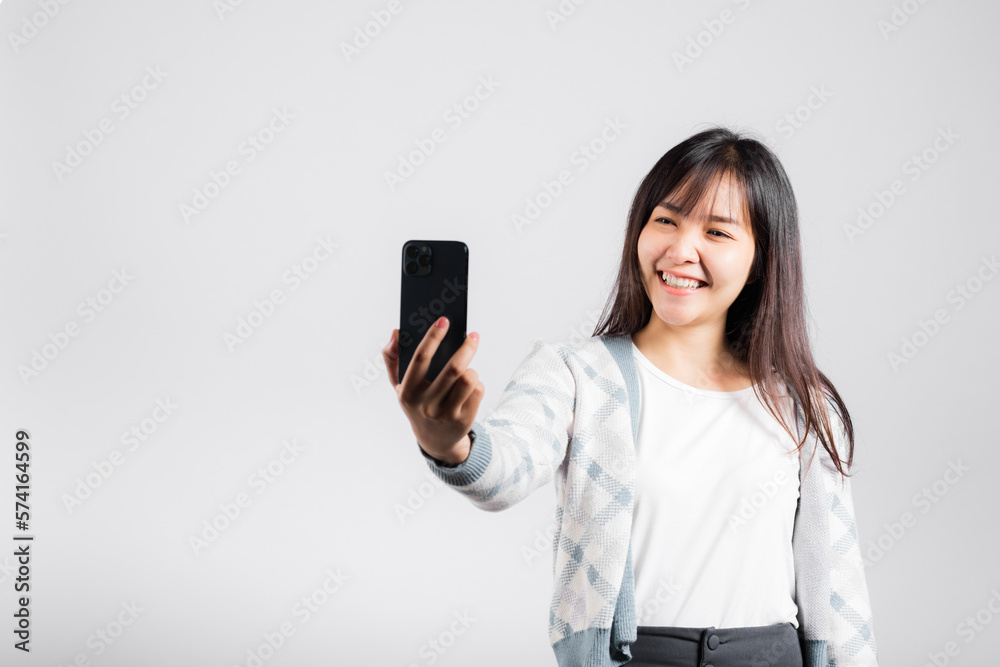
pixel 705 247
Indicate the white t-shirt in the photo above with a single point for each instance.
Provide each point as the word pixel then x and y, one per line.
pixel 715 500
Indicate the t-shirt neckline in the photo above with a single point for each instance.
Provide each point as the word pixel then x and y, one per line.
pixel 655 370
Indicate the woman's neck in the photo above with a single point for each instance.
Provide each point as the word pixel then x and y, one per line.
pixel 686 356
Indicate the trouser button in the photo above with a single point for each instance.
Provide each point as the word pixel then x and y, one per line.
pixel 713 643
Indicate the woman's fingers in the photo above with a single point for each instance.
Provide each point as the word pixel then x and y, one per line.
pixel 415 376
pixel 440 412
pixel 453 403
pixel 390 354
pixel 451 373
pixel 470 408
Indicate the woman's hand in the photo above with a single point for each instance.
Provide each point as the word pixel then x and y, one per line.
pixel 440 412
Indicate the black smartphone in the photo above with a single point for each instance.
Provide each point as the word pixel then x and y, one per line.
pixel 434 282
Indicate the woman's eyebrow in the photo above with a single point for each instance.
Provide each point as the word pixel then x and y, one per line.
pixel 712 218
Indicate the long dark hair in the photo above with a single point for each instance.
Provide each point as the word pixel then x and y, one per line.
pixel 765 325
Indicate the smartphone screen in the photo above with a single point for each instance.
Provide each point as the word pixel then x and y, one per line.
pixel 434 282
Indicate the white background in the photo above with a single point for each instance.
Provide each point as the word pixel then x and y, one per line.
pixel 312 372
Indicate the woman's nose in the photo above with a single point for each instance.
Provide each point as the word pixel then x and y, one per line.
pixel 683 248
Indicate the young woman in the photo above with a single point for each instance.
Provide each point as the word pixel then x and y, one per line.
pixel 680 436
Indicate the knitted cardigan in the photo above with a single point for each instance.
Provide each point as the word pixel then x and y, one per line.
pixel 570 413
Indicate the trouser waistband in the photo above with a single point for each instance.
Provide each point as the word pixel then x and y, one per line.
pixel 771 645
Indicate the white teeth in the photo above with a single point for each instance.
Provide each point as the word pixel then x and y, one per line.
pixel 683 283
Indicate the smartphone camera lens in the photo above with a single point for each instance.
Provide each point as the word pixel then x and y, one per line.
pixel 417 259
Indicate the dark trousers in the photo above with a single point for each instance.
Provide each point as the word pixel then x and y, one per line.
pixel 767 646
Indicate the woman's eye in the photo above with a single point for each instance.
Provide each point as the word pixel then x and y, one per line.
pixel 714 232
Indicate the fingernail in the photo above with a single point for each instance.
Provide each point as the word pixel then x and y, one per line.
pixel 474 336
pixel 442 322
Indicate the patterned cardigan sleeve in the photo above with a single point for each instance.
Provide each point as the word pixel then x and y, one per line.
pixel 852 636
pixel 520 444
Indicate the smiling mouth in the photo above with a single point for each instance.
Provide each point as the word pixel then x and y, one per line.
pixel 680 283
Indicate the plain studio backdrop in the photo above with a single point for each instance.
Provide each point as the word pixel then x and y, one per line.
pixel 203 206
